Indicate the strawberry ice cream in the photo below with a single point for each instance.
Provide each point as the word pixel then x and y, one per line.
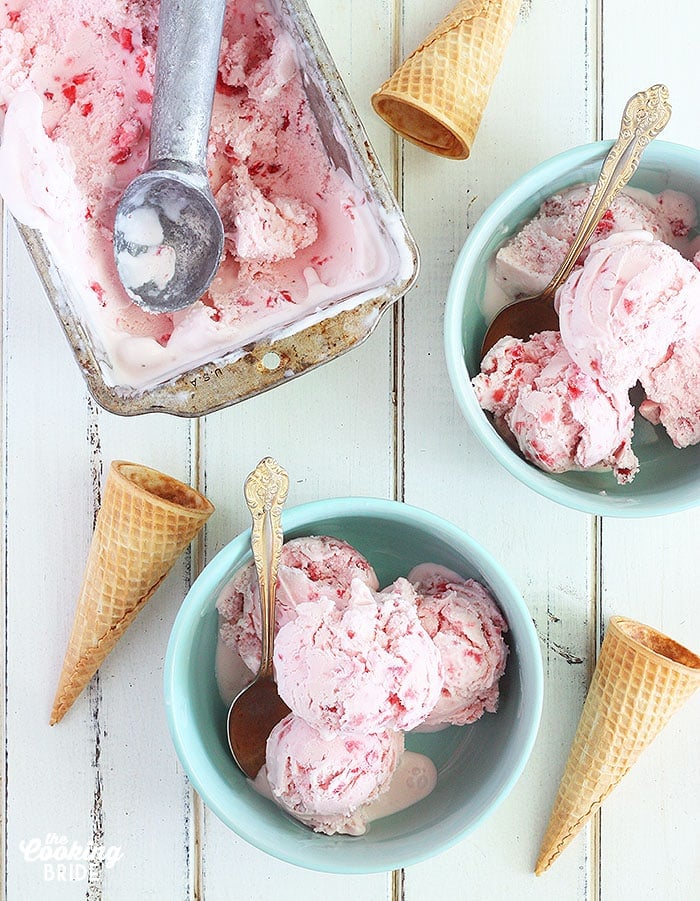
pixel 558 415
pixel 358 668
pixel 620 313
pixel 629 314
pixel 632 313
pixel 467 628
pixel 327 783
pixel 365 668
pixel 526 263
pixel 673 393
pixel 310 568
pixel 76 83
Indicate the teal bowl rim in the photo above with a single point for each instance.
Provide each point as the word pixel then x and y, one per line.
pixel 531 183
pixel 194 760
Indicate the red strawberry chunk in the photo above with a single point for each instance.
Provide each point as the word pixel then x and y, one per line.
pixel 128 132
pixel 125 38
pixel 121 156
pixel 99 290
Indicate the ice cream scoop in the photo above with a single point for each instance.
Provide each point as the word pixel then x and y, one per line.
pixel 168 235
pixel 645 115
pixel 258 708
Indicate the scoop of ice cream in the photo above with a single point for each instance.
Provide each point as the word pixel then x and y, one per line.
pixel 364 668
pixel 467 627
pixel 310 568
pixel 560 417
pixel 526 263
pixel 673 393
pixel 324 782
pixel 265 229
pixel 623 310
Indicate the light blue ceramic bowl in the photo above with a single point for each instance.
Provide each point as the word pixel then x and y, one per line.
pixel 478 765
pixel 668 479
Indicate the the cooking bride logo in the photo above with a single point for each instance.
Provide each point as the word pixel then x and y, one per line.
pixel 68 861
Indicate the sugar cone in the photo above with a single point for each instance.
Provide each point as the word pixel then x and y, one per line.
pixel 145 522
pixel 642 678
pixel 437 97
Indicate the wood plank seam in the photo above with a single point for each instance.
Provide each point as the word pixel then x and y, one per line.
pixel 95 879
pixel 398 51
pixel 3 615
pixel 194 814
pixel 594 47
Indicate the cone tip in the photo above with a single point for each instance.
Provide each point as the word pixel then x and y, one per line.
pixel 544 861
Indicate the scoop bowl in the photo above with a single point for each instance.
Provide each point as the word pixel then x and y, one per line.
pixel 669 478
pixel 477 765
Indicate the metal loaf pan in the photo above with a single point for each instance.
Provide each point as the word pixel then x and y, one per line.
pixel 309 342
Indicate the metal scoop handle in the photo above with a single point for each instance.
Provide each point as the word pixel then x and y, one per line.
pixel 189 42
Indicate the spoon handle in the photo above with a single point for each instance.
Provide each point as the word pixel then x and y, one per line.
pixel 187 62
pixel 265 493
pixel 644 116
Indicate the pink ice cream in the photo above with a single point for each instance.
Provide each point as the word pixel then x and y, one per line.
pixel 327 783
pixel 632 313
pixel 365 668
pixel 673 393
pixel 358 668
pixel 467 628
pixel 528 261
pixel 621 312
pixel 310 568
pixel 558 415
pixel 76 83
pixel 629 314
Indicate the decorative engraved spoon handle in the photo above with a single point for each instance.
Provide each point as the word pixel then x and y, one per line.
pixel 265 493
pixel 645 115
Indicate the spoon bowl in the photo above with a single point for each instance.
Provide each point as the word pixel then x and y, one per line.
pixel 645 115
pixel 252 716
pixel 258 707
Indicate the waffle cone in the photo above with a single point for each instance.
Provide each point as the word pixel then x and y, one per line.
pixel 642 678
pixel 145 522
pixel 437 97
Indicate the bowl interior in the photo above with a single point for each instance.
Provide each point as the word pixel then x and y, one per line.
pixel 668 477
pixel 477 764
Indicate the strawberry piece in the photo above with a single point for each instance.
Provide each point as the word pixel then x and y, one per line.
pixel 99 290
pixel 125 38
pixel 121 156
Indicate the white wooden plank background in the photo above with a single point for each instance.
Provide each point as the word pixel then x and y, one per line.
pixel 379 421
